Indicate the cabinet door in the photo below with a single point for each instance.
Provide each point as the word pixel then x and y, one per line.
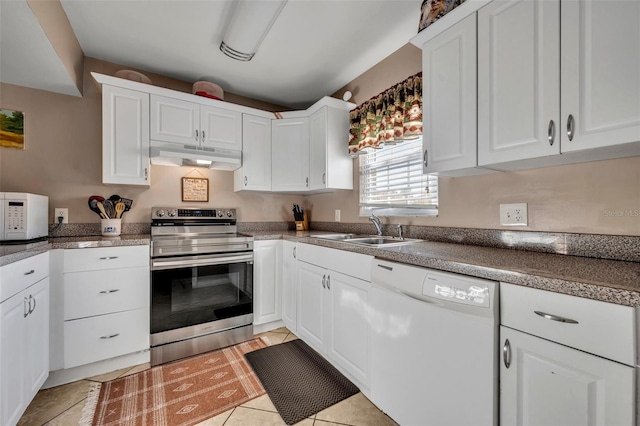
pixel 318 149
pixel 289 284
pixel 125 136
pixel 551 384
pixel 290 154
pixel 449 104
pixel 600 73
pixel 267 264
pixel 37 354
pixel 255 173
pixel 518 80
pixel 221 128
pixel 349 324
pixel 13 362
pixel 311 305
pixel 175 120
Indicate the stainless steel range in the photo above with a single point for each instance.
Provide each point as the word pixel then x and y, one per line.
pixel 201 282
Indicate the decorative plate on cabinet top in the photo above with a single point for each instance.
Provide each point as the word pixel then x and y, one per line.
pixel 133 76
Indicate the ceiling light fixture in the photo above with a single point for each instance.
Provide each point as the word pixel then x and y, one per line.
pixel 250 22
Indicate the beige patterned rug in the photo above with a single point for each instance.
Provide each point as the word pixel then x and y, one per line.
pixel 184 392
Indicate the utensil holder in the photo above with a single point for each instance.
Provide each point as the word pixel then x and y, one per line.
pixel 302 225
pixel 110 227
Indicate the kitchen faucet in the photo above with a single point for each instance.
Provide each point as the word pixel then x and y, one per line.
pixel 377 222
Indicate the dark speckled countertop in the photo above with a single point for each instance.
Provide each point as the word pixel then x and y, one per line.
pixel 600 279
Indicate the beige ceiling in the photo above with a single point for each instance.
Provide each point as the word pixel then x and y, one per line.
pixel 313 49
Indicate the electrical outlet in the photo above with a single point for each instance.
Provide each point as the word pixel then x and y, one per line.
pixel 61 212
pixel 513 214
pixel 337 215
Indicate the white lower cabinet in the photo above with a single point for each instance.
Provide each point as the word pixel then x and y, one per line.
pixel 24 336
pixel 565 360
pixel 106 296
pixel 267 305
pixel 289 285
pixel 332 308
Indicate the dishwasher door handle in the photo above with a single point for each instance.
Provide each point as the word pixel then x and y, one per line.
pixel 506 353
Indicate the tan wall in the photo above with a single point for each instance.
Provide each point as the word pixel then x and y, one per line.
pixel 599 197
pixel 63 157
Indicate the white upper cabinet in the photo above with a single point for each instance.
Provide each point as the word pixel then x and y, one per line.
pixel 600 75
pixel 449 101
pixel 189 123
pixel 290 154
pixel 255 173
pixel 125 136
pixel 519 80
pixel 330 166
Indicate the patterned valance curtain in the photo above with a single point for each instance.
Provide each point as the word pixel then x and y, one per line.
pixel 391 117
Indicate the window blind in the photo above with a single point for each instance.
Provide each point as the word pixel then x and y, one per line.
pixel 392 183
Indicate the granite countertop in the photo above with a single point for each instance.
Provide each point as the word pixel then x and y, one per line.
pixel 599 279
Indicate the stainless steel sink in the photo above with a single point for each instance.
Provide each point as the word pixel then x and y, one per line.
pixel 381 241
pixel 334 236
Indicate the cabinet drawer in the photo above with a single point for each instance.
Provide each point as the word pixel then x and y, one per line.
pixel 353 264
pixel 93 259
pixel 106 336
pixel 600 328
pixel 17 276
pixel 92 293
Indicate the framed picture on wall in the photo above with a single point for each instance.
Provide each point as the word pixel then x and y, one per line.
pixel 195 189
pixel 11 129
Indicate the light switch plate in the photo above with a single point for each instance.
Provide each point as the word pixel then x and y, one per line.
pixel 337 216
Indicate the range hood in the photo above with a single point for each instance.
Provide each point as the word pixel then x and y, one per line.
pixel 194 156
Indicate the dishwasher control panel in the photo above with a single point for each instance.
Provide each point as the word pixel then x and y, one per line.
pixel 459 291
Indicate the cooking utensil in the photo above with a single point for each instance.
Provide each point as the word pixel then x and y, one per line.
pixel 100 207
pixel 127 204
pixel 109 209
pixel 93 205
pixel 119 208
pixel 115 198
pixel 96 197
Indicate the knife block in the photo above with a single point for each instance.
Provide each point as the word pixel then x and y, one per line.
pixel 302 225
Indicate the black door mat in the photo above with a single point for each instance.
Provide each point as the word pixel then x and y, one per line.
pixel 299 381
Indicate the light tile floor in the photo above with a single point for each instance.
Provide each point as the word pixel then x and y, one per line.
pixel 62 405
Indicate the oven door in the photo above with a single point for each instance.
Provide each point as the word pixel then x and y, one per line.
pixel 189 292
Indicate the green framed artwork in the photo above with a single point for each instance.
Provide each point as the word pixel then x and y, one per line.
pixel 11 129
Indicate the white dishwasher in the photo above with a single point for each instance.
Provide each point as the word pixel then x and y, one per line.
pixel 434 346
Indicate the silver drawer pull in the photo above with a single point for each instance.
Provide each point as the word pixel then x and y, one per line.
pixel 109 291
pixel 110 337
pixel 388 268
pixel 30 272
pixel 555 317
pixel 109 258
pixel 506 353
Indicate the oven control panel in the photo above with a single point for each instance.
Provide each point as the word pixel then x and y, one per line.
pixel 192 213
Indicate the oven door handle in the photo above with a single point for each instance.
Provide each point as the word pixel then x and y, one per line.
pixel 159 264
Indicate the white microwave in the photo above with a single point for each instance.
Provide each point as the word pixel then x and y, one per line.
pixel 23 216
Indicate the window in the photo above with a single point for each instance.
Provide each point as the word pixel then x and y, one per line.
pixel 392 183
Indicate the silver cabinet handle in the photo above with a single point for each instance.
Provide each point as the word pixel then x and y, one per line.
pixel 110 291
pixel 324 178
pixel 34 304
pixel 203 136
pixel 307 182
pixel 425 158
pixel 555 317
pixel 324 277
pixel 25 308
pixel 245 181
pixel 294 252
pixel 329 282
pixel 108 257
pixel 506 353
pixel 30 272
pixel 570 127
pixel 146 173
pixel 110 336
pixel 388 268
pixel 196 135
pixel 552 132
